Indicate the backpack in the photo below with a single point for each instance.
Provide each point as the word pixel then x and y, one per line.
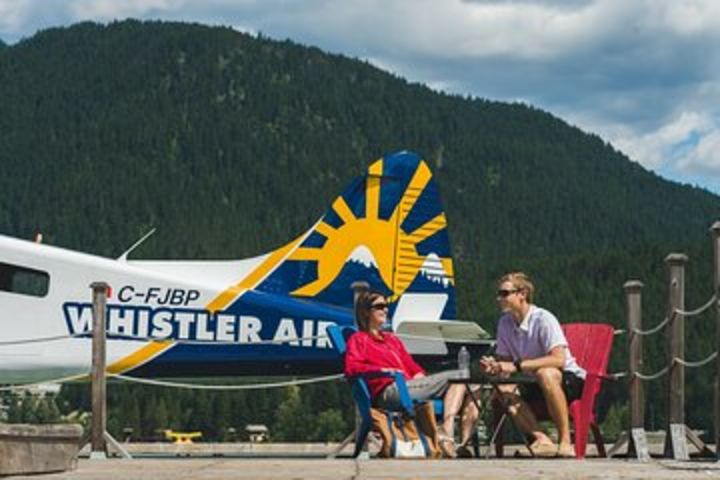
pixel 405 437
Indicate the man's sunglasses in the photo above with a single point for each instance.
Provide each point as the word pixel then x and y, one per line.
pixel 507 293
pixel 379 306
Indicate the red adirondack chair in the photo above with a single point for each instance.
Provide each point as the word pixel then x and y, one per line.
pixel 590 344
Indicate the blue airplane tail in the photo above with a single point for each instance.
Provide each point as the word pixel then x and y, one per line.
pixel 388 228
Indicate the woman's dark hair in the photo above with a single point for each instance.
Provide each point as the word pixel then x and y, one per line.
pixel 363 307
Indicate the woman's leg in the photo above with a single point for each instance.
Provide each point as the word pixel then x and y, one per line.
pixel 420 389
pixel 469 418
pixel 452 404
pixel 431 386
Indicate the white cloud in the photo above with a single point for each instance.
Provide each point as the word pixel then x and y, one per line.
pixel 656 148
pixel 691 17
pixel 705 157
pixel 245 29
pixel 15 15
pixel 103 10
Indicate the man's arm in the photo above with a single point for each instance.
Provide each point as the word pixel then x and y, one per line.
pixel 554 359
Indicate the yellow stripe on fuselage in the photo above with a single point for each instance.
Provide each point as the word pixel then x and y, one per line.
pixel 255 277
pixel 138 357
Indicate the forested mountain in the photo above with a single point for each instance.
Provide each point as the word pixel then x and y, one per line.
pixel 232 144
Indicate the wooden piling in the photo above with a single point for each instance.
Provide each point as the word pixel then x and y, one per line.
pixel 98 446
pixel 715 229
pixel 637 446
pixel 675 444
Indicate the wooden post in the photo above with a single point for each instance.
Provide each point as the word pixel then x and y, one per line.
pixel 637 446
pixel 98 447
pixel 715 229
pixel 675 444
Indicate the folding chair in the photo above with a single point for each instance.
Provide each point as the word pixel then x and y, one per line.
pixel 590 344
pixel 360 391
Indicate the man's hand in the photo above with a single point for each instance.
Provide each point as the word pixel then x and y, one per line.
pixel 506 368
pixel 489 365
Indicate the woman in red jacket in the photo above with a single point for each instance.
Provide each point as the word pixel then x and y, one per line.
pixel 373 350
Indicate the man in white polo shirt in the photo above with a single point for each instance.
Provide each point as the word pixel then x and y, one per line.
pixel 530 340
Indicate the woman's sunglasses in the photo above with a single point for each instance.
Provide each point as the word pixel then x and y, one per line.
pixel 379 306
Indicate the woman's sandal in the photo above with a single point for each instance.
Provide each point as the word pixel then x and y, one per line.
pixel 447 446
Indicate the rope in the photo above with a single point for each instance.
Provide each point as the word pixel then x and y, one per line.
pixel 197 386
pixel 677 311
pixel 619 331
pixel 36 340
pixel 700 363
pixel 697 311
pixel 69 378
pixel 654 375
pixel 161 383
pixel 618 375
pixel 655 329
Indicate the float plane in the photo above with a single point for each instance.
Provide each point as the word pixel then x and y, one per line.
pixel 260 316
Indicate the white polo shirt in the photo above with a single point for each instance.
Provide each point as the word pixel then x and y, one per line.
pixel 537 334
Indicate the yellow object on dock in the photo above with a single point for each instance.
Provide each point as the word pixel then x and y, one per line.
pixel 182 438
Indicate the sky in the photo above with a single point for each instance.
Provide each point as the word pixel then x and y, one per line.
pixel 642 74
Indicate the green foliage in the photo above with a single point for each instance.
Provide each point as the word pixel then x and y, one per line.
pixel 26 408
pixel 291 418
pixel 231 145
pixel 329 427
pixel 616 422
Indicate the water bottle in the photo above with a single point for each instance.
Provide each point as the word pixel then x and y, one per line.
pixel 464 362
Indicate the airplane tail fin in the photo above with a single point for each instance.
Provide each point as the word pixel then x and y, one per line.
pixel 387 228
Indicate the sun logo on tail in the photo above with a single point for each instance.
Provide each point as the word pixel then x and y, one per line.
pixel 393 250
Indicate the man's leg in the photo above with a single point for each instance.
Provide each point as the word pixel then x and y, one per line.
pixel 550 381
pixel 522 414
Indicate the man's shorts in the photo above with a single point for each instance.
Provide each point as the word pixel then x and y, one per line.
pixel 572 386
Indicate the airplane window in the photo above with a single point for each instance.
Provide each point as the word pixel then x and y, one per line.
pixel 23 280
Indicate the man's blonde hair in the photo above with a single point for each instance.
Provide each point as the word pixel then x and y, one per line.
pixel 520 281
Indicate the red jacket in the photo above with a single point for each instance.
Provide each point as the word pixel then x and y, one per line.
pixel 366 353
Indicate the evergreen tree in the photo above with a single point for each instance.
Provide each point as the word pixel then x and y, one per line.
pixel 292 420
pixel 329 426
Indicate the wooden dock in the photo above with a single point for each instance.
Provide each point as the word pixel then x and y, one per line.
pixel 175 468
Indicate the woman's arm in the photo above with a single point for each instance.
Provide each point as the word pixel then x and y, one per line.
pixel 412 369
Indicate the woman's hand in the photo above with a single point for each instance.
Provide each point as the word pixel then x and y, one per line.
pixel 419 375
